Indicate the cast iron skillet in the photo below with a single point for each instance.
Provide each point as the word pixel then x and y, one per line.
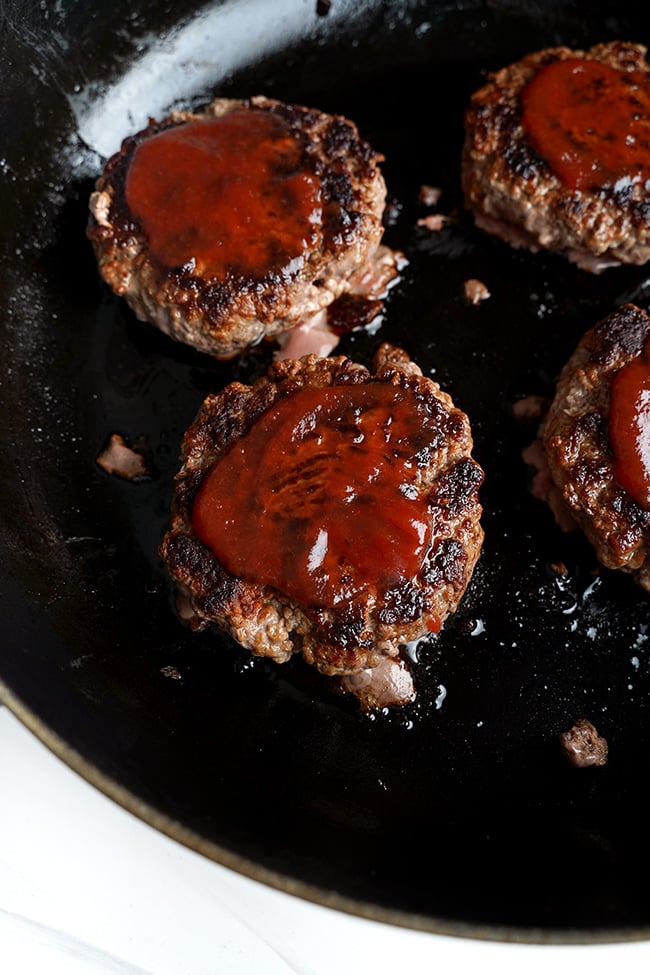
pixel 457 814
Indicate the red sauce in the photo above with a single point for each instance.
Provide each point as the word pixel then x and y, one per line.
pixel 629 426
pixel 435 624
pixel 225 195
pixel 589 122
pixel 318 498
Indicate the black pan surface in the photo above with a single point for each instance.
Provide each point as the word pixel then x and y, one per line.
pixel 458 813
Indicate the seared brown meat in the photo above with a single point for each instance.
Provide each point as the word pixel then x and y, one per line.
pixel 582 746
pixel 381 483
pixel 238 222
pixel 578 446
pixel 517 195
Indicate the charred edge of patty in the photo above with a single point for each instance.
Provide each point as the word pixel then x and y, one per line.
pixel 359 634
pixel 506 181
pixel 345 166
pixel 579 453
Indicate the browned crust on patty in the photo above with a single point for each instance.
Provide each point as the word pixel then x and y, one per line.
pixel 514 194
pixel 224 317
pixel 576 441
pixel 358 635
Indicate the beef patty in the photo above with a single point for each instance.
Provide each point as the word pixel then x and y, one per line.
pixel 238 222
pixel 593 440
pixel 327 510
pixel 557 154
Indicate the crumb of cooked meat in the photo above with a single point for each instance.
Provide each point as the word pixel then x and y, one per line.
pixel 530 407
pixel 429 196
pixel 559 568
pixel 476 291
pixel 356 308
pixel 123 461
pixel 171 672
pixel 583 747
pixel 378 275
pixel 386 685
pixel 433 221
pixel 312 337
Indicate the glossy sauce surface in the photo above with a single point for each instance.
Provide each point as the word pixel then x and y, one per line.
pixel 318 498
pixel 589 122
pixel 629 426
pixel 225 195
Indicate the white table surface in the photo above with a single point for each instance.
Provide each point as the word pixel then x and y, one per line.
pixel 86 888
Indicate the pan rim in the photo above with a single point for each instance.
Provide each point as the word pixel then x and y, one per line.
pixel 210 850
